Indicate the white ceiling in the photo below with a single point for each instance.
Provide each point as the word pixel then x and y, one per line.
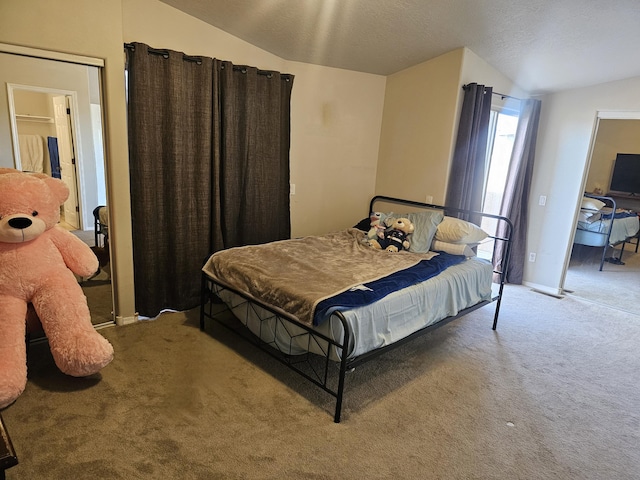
pixel 541 45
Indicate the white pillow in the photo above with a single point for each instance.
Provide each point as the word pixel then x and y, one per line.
pixel 453 248
pixel 455 230
pixel 589 217
pixel 592 204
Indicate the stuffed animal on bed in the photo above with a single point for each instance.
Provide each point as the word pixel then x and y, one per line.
pixel 38 260
pixel 395 239
pixel 378 225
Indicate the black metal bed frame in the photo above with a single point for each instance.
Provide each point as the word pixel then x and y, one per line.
pixel 610 202
pixel 323 371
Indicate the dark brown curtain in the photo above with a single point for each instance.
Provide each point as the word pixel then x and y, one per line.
pixel 254 142
pixel 466 177
pixel 209 165
pixel 515 202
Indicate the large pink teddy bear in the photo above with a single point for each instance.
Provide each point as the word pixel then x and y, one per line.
pixel 38 260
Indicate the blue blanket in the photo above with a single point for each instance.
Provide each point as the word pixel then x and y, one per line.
pixel 620 214
pixel 376 290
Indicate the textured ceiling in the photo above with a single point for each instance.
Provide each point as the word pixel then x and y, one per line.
pixel 542 45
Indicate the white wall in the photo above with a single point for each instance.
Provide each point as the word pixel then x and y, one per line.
pixel 564 137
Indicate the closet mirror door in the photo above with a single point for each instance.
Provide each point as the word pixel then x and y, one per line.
pixel 53 125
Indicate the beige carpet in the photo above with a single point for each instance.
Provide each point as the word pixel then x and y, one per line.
pixel 552 394
pixel 616 286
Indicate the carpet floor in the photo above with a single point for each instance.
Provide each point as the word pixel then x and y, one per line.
pixel 615 286
pixel 553 393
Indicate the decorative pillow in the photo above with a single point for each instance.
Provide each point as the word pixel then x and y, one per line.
pixel 455 230
pixel 592 204
pixel 453 248
pixel 425 223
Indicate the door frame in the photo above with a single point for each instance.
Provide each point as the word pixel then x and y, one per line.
pixel 599 115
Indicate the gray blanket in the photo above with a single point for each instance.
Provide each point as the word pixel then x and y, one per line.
pixel 294 275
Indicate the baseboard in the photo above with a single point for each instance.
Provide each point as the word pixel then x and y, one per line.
pixel 126 320
pixel 554 292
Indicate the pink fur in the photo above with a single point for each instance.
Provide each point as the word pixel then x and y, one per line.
pixel 37 266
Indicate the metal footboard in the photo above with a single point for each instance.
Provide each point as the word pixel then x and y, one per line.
pixel 318 368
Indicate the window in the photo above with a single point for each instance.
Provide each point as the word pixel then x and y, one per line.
pixel 502 132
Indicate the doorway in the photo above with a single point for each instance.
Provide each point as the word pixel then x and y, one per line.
pixel 614 132
pixel 44 116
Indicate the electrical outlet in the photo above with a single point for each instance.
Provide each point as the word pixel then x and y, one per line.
pixel 429 199
pixel 532 256
pixel 292 189
pixel 543 200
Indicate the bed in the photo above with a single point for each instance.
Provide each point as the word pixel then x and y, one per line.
pixel 324 304
pixel 602 224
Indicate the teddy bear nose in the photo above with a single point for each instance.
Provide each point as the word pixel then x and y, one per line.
pixel 20 222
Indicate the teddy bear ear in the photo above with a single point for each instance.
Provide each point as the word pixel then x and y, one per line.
pixel 57 187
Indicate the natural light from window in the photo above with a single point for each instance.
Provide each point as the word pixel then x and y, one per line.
pixel 502 132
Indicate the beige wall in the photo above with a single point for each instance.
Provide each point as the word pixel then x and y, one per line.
pixel 335 116
pixel 613 137
pixel 421 112
pixel 419 119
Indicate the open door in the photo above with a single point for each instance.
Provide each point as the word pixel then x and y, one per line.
pixel 66 152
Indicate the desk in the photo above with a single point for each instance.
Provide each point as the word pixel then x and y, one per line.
pixel 8 457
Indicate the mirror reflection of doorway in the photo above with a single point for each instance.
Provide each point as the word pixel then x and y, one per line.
pixel 614 286
pixel 55 127
pixel 66 157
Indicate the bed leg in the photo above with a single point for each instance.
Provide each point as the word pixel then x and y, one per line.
pixel 343 368
pixel 495 316
pixel 343 371
pixel 203 296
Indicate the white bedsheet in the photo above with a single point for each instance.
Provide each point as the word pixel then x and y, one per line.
pixel 383 322
pixel 594 233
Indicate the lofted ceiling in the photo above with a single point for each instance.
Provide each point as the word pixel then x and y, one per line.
pixel 541 45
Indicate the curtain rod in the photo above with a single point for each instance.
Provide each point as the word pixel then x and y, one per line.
pixel 502 95
pixel 165 53
pixel 506 96
pixel 198 60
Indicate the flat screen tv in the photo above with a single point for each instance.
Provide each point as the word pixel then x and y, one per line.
pixel 625 178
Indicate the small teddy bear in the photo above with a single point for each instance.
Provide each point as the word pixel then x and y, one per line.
pixel 395 239
pixel 38 260
pixel 378 225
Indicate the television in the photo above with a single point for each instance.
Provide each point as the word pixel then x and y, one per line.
pixel 625 178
